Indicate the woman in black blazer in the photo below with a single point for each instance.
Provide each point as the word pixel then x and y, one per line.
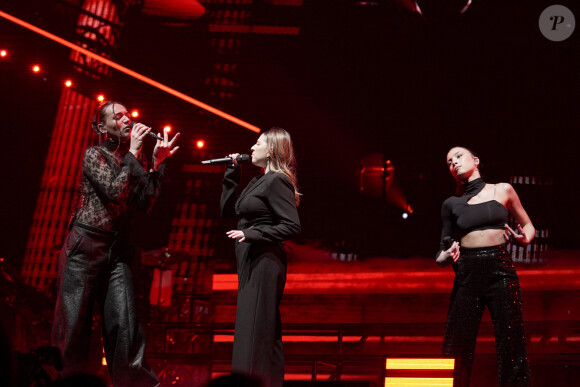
pixel 267 216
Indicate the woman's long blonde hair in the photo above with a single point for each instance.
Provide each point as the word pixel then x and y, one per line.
pixel 281 157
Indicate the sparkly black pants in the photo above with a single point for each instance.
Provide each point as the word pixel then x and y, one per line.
pixel 487 277
pixel 94 267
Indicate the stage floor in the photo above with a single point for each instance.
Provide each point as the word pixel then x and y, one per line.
pixel 342 319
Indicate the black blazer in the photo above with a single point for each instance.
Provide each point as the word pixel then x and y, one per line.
pixel 267 215
pixel 266 208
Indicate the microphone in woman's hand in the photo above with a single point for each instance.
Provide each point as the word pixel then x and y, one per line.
pixel 150 133
pixel 227 160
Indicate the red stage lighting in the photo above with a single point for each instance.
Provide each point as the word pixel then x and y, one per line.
pixel 129 72
pixel 200 144
pixel 3 53
pixel 101 98
pixel 36 68
pixel 135 113
pixel 68 83
pixel 167 128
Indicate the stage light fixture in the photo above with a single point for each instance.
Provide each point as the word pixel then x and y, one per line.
pixel 36 69
pixel 3 53
pixel 68 83
pixel 135 113
pixel 441 10
pixel 101 98
pixel 405 215
pixel 167 128
pixel 200 144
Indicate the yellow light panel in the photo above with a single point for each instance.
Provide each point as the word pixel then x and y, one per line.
pixel 419 364
pixel 423 382
pixel 130 72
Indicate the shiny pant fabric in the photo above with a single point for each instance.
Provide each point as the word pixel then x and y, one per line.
pixel 93 267
pixel 258 332
pixel 487 277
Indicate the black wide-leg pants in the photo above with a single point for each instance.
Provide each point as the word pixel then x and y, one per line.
pixel 94 267
pixel 258 332
pixel 487 277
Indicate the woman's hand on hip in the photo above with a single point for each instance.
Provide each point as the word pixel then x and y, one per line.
pixel 448 256
pixel 235 234
pixel 519 237
pixel 453 251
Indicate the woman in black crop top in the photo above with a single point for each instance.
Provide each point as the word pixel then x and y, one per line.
pixel 473 239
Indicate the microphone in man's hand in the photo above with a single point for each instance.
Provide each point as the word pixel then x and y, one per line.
pixel 227 160
pixel 150 133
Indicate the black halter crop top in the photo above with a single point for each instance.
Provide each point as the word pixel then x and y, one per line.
pixel 460 218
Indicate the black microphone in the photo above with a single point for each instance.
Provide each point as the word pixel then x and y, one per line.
pixel 150 133
pixel 225 160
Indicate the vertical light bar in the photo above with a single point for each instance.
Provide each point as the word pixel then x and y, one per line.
pixel 90 28
pixel 57 194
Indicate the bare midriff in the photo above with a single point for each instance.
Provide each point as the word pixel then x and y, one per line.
pixel 483 238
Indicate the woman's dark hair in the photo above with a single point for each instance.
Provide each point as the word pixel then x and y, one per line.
pixel 99 113
pixel 470 151
pixel 466 148
pixel 459 188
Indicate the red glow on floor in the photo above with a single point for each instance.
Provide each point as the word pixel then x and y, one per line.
pixel 436 280
pixel 333 338
pixel 365 282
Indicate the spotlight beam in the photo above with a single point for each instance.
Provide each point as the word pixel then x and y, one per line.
pixel 131 73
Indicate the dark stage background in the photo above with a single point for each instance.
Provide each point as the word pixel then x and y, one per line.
pixel 357 80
